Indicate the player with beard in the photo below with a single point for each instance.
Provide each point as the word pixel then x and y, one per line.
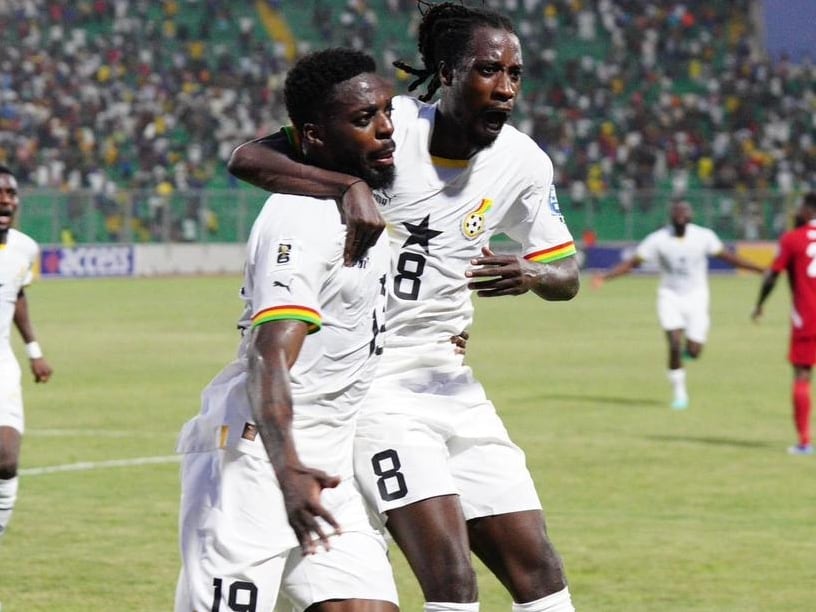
pixel 431 453
pixel 18 255
pixel 262 520
pixel 681 249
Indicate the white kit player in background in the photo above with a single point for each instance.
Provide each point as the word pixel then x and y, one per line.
pixel 681 251
pixel 18 255
pixel 270 513
pixel 431 452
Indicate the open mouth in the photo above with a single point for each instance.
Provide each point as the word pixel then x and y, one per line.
pixel 494 119
pixel 5 216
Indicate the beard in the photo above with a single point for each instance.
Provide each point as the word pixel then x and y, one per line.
pixel 377 178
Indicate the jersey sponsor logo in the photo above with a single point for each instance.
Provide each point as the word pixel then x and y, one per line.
pixel 382 197
pixel 474 222
pixel 88 261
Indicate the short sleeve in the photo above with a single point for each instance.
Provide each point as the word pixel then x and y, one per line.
pixel 714 245
pixel 647 249
pixel 541 229
pixel 783 255
pixel 287 262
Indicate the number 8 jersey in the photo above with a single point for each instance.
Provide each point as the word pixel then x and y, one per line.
pixel 441 212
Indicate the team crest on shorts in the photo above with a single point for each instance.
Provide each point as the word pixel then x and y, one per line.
pixel 474 223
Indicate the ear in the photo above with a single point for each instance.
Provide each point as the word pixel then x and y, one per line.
pixel 445 74
pixel 312 136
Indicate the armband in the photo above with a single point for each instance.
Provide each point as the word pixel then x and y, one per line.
pixel 33 350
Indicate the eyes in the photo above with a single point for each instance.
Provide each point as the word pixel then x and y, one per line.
pixel 368 115
pixel 491 70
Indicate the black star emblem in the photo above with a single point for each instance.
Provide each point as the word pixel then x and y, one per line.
pixel 420 234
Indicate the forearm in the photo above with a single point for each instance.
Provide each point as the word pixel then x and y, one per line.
pixel 557 281
pixel 264 164
pixel 768 284
pixel 271 401
pixel 22 321
pixel 623 268
pixel 739 262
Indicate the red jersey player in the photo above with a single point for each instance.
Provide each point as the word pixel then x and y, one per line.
pixel 797 256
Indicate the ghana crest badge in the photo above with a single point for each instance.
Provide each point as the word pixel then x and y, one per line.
pixel 474 222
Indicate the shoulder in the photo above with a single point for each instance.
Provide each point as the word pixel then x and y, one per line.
pixel 527 157
pixel 309 220
pixel 23 243
pixel 407 109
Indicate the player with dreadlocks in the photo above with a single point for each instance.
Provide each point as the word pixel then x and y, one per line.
pixel 431 453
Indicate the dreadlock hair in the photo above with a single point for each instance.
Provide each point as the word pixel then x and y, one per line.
pixel 445 35
pixel 307 90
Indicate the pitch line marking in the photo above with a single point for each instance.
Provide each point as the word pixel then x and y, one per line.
pixel 85 466
pixel 97 433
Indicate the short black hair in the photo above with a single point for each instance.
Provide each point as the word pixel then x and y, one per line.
pixel 809 200
pixel 5 170
pixel 308 86
pixel 446 35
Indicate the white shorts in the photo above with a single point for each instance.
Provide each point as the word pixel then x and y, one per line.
pixel 429 431
pixel 687 312
pixel 11 395
pixel 237 547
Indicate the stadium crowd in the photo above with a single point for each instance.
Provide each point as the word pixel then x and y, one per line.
pixel 629 95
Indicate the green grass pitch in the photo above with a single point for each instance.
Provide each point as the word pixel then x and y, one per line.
pixel 652 510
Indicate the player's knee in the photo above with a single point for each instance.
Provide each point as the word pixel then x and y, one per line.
pixel 456 582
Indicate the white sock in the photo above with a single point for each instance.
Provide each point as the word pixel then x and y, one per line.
pixel 441 606
pixel 8 495
pixel 678 381
pixel 555 602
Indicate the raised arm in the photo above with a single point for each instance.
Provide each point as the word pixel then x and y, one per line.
pixel 623 268
pixel 739 262
pixel 273 349
pixel 768 284
pixel 39 366
pixel 271 164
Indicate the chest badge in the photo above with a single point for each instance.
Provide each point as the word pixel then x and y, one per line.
pixel 474 222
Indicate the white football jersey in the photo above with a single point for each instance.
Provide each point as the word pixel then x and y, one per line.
pixel 441 212
pixel 294 270
pixel 17 259
pixel 683 261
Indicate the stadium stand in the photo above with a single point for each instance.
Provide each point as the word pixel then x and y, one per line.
pixel 129 108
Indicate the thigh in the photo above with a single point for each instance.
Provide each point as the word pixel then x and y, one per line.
pixel 669 310
pixel 698 320
pixel 400 459
pixel 356 567
pixel 11 395
pixel 233 545
pixel 489 470
pixel 802 350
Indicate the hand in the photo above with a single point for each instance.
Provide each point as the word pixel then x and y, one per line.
pixel 460 342
pixel 301 487
pixel 364 223
pixel 41 370
pixel 509 274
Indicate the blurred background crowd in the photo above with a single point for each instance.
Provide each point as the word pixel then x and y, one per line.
pixel 636 101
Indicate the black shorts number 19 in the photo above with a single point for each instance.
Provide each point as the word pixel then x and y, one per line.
pixel 391 482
